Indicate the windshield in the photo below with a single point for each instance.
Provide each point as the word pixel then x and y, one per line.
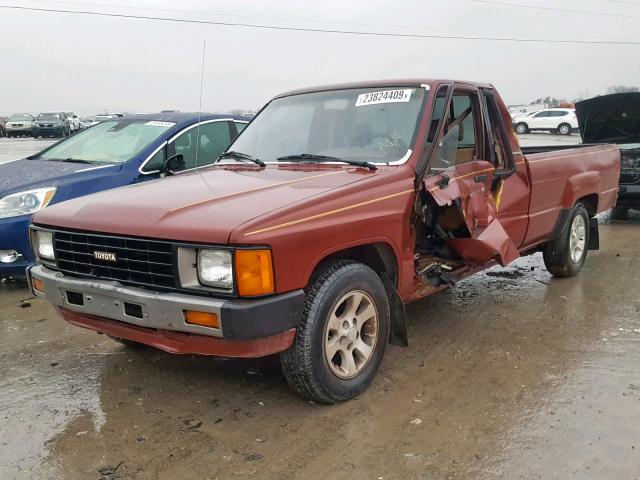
pixel 108 142
pixel 372 124
pixel 19 118
pixel 49 117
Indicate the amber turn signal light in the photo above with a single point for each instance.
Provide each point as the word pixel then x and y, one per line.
pixel 37 284
pixel 254 272
pixel 204 319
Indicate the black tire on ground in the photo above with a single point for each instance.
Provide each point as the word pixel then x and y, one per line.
pixel 522 128
pixel 127 343
pixel 306 366
pixel 562 257
pixel 564 129
pixel 620 213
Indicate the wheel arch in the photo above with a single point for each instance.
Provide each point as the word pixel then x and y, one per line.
pixel 382 258
pixel 583 187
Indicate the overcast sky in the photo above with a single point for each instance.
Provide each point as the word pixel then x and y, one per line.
pixel 88 64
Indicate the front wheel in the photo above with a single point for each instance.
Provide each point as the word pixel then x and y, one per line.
pixel 342 335
pixel 565 256
pixel 522 128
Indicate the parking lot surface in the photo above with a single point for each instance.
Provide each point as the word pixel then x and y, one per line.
pixel 510 374
pixel 21 147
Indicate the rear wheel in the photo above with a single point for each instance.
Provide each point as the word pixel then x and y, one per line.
pixel 522 128
pixel 564 129
pixel 342 335
pixel 565 256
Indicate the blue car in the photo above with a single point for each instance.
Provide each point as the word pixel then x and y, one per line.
pixel 111 154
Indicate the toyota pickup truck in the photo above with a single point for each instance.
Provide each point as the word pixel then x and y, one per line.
pixel 332 209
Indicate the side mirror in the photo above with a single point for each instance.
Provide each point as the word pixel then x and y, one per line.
pixel 173 164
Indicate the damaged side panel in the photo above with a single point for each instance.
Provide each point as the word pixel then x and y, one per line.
pixel 463 214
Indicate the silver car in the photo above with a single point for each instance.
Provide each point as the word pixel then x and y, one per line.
pixel 19 124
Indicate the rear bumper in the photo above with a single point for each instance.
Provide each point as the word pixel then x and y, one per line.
pixel 248 328
pixel 628 196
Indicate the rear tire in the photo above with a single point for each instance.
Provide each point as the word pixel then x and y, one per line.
pixel 565 256
pixel 342 335
pixel 564 129
pixel 522 128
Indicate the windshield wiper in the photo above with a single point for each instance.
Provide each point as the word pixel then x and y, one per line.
pixel 311 157
pixel 241 156
pixel 75 160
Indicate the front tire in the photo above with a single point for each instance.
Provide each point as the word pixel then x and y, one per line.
pixel 522 128
pixel 565 256
pixel 342 335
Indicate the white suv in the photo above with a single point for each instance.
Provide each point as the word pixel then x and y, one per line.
pixel 554 120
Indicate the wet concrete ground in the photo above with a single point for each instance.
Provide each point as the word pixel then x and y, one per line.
pixel 520 376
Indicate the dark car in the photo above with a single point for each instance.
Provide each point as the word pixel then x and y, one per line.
pixel 616 119
pixel 114 153
pixel 52 124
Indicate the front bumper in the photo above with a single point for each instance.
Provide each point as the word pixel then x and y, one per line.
pixel 45 131
pixel 248 328
pixel 14 235
pixel 18 131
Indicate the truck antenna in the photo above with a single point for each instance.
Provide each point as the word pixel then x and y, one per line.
pixel 204 51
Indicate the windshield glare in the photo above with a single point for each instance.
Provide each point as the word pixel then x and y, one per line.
pixel 370 124
pixel 19 118
pixel 49 117
pixel 108 142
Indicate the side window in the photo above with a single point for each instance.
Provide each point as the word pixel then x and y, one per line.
pixel 156 162
pixel 542 115
pixel 458 143
pixel 214 138
pixel 240 126
pixel 437 114
pixel 501 155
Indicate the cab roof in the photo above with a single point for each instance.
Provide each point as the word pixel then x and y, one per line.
pixel 412 82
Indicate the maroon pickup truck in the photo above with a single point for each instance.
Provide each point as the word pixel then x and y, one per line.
pixel 334 207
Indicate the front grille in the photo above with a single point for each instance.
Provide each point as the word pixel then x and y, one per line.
pixel 138 262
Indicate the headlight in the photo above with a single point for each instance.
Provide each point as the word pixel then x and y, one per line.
pixel 215 268
pixel 36 124
pixel 43 245
pixel 23 203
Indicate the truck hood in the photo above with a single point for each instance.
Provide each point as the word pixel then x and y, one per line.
pixel 203 207
pixel 28 174
pixel 610 118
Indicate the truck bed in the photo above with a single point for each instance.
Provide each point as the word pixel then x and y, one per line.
pixel 577 172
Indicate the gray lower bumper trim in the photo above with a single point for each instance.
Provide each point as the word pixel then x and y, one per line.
pixel 106 299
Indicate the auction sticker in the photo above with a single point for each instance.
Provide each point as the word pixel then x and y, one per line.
pixel 156 123
pixel 385 96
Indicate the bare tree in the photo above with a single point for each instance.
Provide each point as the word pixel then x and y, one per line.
pixel 621 89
